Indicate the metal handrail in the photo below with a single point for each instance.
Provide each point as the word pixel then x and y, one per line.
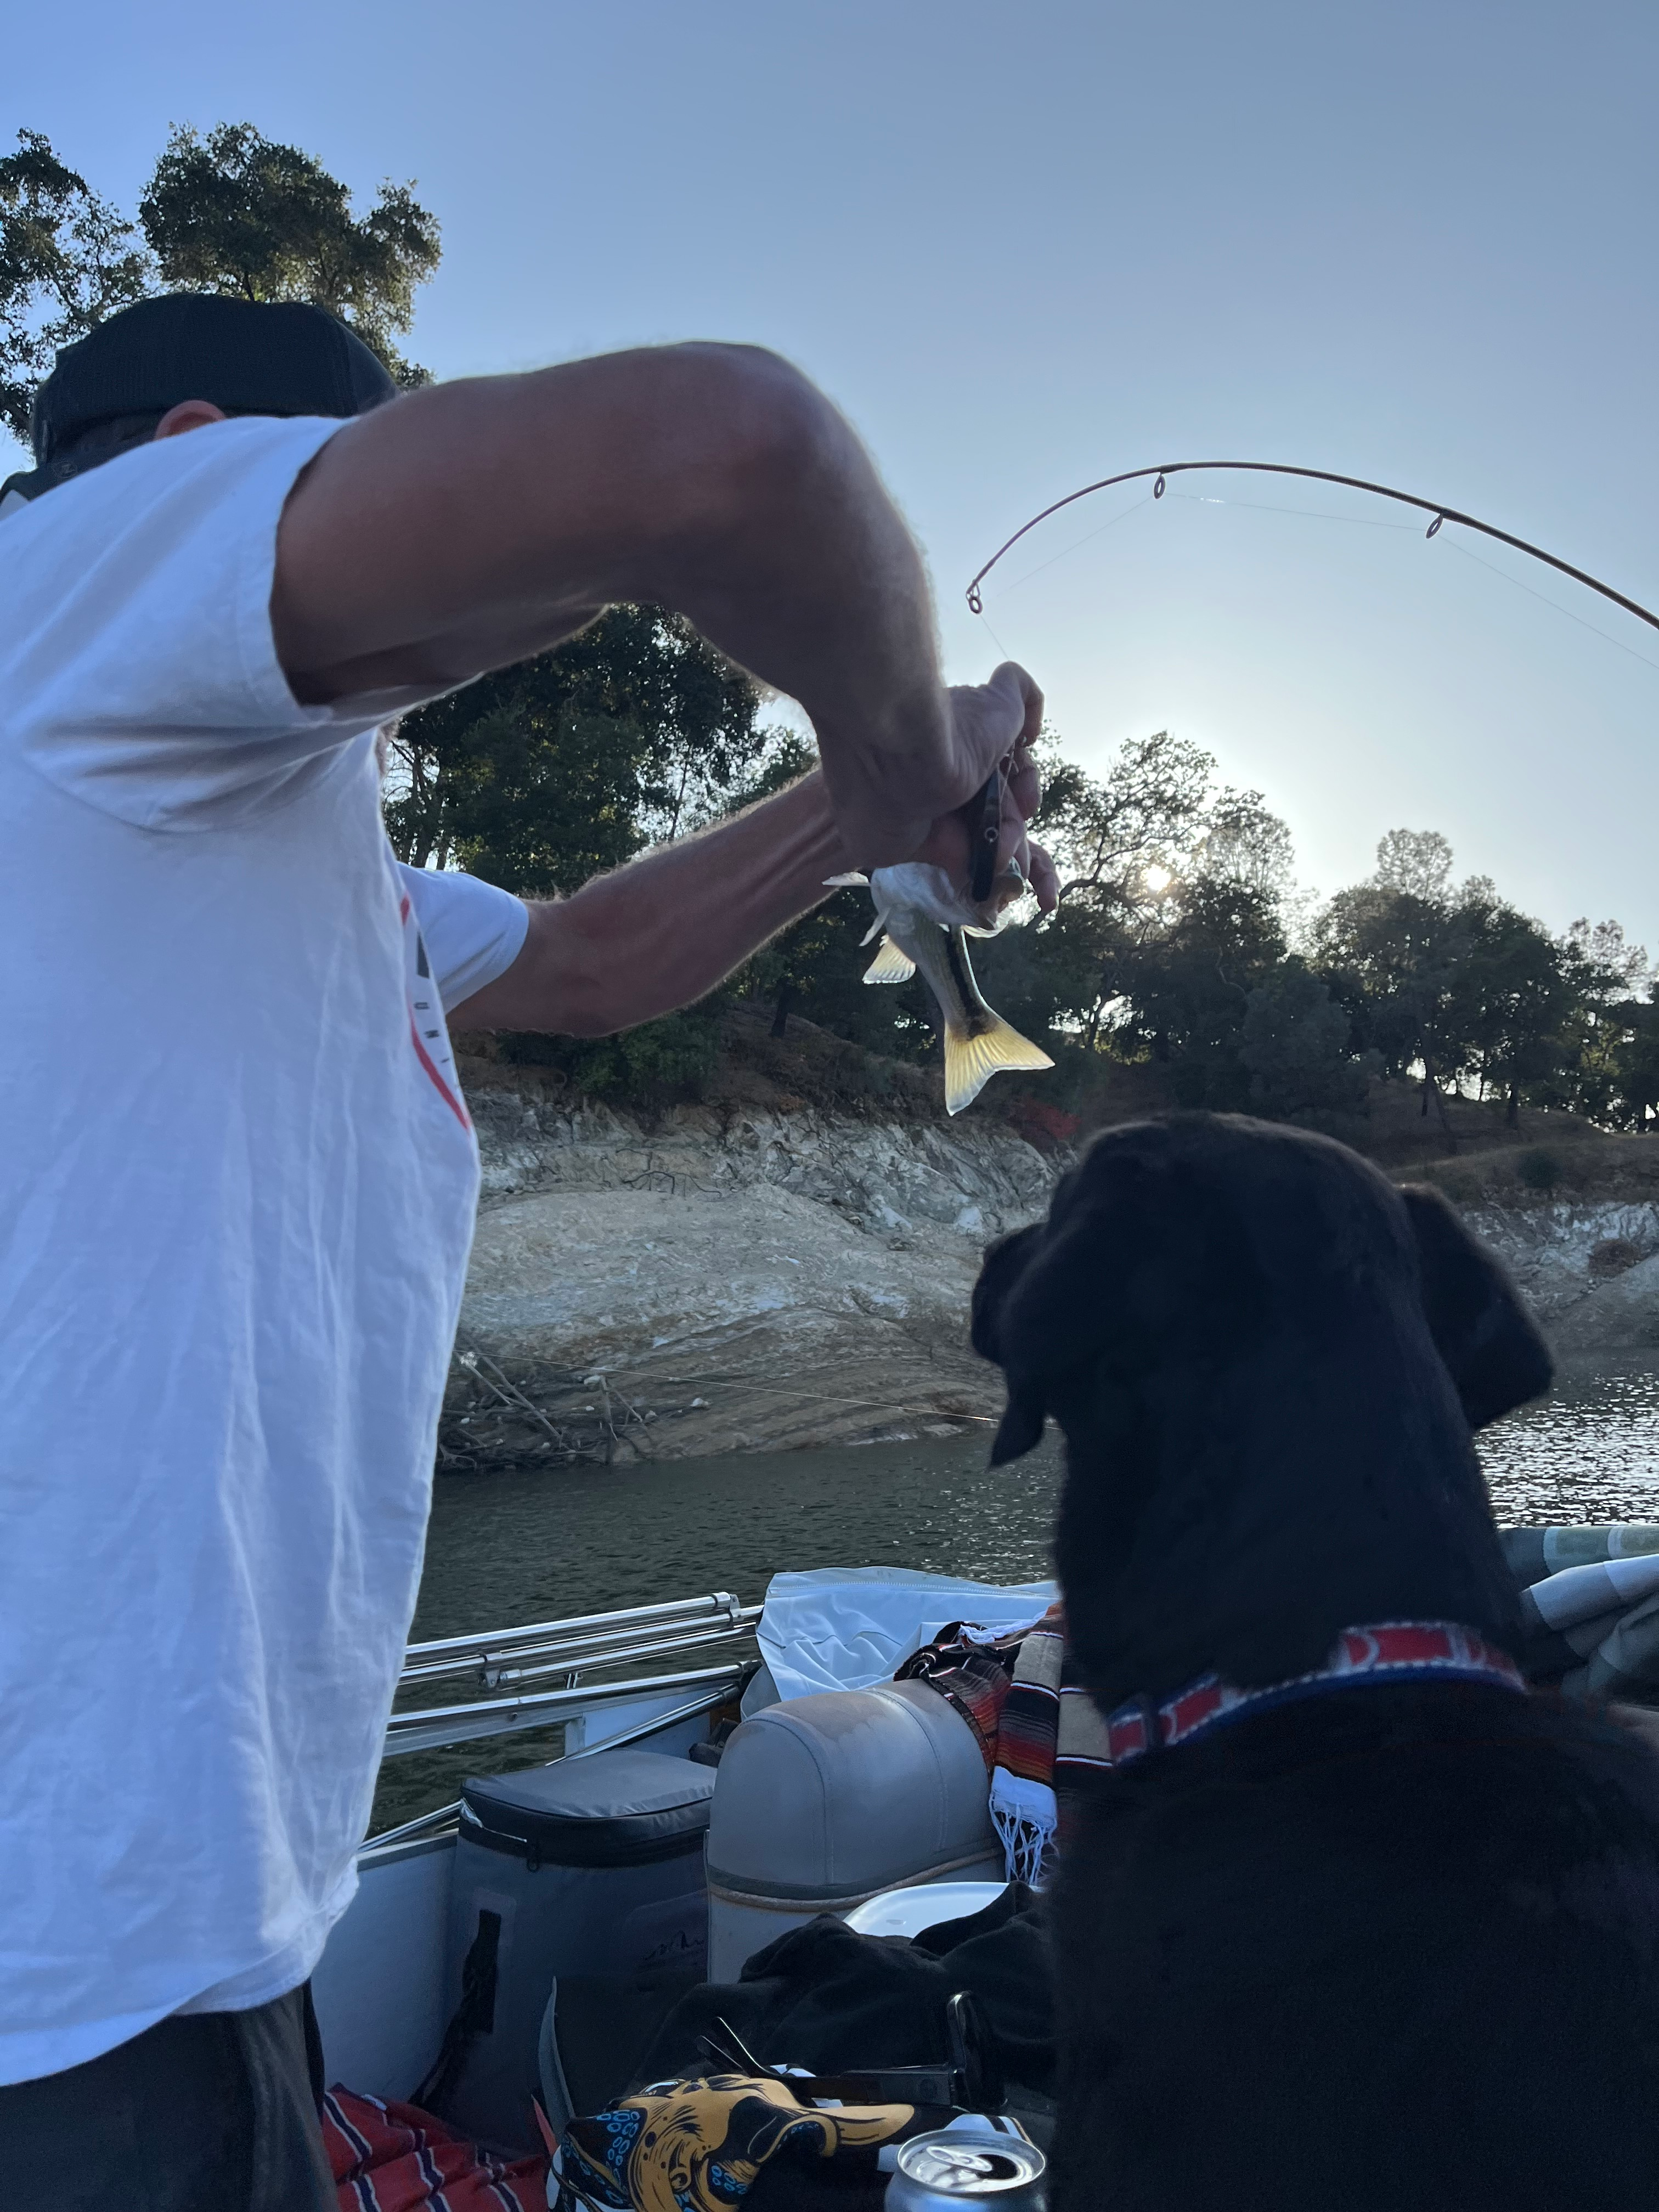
pixel 577 1653
pixel 435 1725
pixel 626 1656
pixel 636 1615
pixel 587 1639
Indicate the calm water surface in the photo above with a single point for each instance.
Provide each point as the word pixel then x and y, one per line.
pixel 507 1548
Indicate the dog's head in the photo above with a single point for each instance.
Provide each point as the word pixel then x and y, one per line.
pixel 1238 1326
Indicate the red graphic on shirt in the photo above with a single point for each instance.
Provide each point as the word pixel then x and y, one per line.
pixel 426 1016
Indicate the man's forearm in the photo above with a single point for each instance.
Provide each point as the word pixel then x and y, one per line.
pixel 663 931
pixel 469 525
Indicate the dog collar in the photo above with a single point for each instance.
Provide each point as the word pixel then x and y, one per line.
pixel 1387 1651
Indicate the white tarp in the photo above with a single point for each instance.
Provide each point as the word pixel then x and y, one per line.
pixel 844 1628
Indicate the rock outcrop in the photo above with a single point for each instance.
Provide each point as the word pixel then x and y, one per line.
pixel 762 1278
pixel 1589 1267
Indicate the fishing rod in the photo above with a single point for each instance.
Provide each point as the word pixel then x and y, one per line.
pixel 1441 513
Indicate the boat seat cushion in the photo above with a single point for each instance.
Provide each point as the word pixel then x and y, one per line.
pixel 823 1800
pixel 614 1808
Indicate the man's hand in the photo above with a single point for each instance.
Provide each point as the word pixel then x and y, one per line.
pixel 981 716
pixel 470 525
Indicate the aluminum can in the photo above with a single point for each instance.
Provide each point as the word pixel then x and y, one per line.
pixel 934 2171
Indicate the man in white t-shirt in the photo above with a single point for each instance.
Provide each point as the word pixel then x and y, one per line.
pixel 237 1172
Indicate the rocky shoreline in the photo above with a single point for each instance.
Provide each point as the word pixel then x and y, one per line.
pixel 728 1281
pixel 716 1281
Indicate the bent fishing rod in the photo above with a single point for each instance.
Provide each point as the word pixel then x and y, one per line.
pixel 1436 508
pixel 988 799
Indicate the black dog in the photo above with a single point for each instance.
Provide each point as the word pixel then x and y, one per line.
pixel 1383 1945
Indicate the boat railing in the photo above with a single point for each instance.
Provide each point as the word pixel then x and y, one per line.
pixel 552 1647
pixel 609 1691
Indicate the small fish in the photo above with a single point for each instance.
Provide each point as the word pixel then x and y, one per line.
pixel 924 923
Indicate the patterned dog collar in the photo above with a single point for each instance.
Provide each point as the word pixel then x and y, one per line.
pixel 1390 1650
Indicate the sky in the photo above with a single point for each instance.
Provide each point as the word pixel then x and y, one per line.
pixel 1025 246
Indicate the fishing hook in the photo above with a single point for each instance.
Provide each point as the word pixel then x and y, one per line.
pixel 1433 507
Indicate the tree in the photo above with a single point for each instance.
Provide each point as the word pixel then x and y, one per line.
pixel 1123 845
pixel 537 776
pixel 234 213
pixel 1515 997
pixel 1392 959
pixel 67 260
pixel 1416 861
pixel 1458 983
pixel 1188 988
pixel 240 214
pixel 1614 1077
pixel 1243 844
pixel 1296 1043
pixel 1149 811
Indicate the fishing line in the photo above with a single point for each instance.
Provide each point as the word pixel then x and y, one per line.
pixel 1493 569
pixel 1090 537
pixel 1259 507
pixel 1087 538
pixel 995 640
pixel 1439 513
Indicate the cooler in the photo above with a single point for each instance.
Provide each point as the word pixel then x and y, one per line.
pixel 589 1873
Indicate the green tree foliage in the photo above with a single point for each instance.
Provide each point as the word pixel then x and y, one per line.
pixel 67 260
pixel 1416 861
pixel 1613 1074
pixel 231 212
pixel 1188 989
pixel 1123 845
pixel 540 776
pixel 1453 986
pixel 1296 1045
pixel 238 213
pixel 1394 959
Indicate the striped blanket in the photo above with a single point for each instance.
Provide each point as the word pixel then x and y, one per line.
pixel 1590 1601
pixel 1037 1728
pixel 396 2158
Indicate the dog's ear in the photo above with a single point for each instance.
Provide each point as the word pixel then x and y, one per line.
pixel 1491 1345
pixel 1100 1284
pixel 1005 1263
pixel 1024 1419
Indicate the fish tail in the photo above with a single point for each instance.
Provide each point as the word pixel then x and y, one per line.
pixel 973 1056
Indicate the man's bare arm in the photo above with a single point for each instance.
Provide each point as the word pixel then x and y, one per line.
pixel 666 928
pixel 467 526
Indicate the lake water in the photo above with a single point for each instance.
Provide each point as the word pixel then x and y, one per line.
pixel 508 1548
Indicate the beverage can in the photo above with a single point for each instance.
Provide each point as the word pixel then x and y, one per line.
pixel 952 2167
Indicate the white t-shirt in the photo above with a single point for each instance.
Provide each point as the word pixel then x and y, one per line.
pixel 237 1181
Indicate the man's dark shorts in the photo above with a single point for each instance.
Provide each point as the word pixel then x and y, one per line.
pixel 210 2112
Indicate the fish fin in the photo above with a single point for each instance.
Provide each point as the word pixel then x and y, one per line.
pixel 873 932
pixel 890 965
pixel 845 881
pixel 971 1061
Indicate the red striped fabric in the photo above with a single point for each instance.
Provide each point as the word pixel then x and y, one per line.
pixel 396 2158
